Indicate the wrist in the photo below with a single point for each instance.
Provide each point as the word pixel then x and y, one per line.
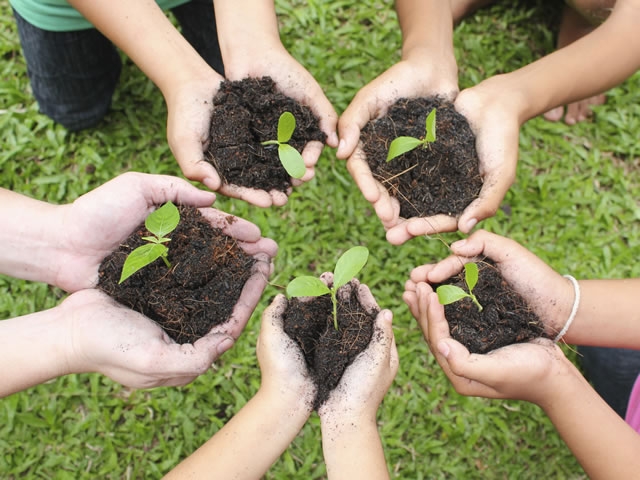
pixel 294 403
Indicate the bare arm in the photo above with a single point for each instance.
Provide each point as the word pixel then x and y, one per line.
pixel 596 62
pixel 536 372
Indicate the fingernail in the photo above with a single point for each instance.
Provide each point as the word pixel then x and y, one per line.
pixel 459 243
pixel 444 349
pixel 471 223
pixel 224 345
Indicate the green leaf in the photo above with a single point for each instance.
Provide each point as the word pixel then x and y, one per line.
pixel 348 265
pixel 402 145
pixel 141 257
pixel 471 275
pixel 449 294
pixel 430 126
pixel 291 160
pixel 286 126
pixel 306 286
pixel 163 221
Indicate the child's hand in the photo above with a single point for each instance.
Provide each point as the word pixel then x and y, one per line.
pixel 364 382
pixel 524 371
pixel 548 293
pixel 497 127
pixel 285 377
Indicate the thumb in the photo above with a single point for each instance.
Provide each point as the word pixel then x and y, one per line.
pixel 214 345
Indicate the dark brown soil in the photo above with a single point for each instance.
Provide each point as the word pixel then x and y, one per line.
pixel 505 318
pixel 246 113
pixel 443 177
pixel 327 351
pixel 208 273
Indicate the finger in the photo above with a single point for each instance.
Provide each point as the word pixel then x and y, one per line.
pixel 496 184
pixel 272 317
pixel 411 299
pixel 263 250
pixel 159 189
pixel 421 273
pixel 352 121
pixel 236 227
pixel 259 198
pixel 279 198
pixel 418 226
pixel 367 300
pixel 382 342
pixel 327 278
pixel 344 292
pixel 359 170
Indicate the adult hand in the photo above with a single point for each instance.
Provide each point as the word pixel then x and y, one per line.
pixel 129 348
pixel 96 224
pixel 548 293
pixel 364 382
pixel 524 371
pixel 282 364
pixel 416 76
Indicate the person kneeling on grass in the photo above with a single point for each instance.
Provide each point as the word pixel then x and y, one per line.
pixel 257 435
pixel 588 312
pixel 63 245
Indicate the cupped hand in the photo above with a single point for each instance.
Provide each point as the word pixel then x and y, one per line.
pixel 524 371
pixel 189 110
pixel 545 291
pixel 292 79
pixel 496 126
pixel 128 347
pixel 96 223
pixel 365 382
pixel 416 77
pixel 282 363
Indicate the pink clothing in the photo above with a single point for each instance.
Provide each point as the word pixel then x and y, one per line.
pixel 632 416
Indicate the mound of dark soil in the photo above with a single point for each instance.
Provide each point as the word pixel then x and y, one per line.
pixel 200 290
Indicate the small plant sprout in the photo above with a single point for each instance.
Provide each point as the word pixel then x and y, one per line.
pixel 402 145
pixel 160 223
pixel 450 293
pixel 289 157
pixel 347 267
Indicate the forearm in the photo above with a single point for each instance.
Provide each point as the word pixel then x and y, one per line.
pixel 245 25
pixel 601 441
pixel 33 349
pixel 145 34
pixel 427 33
pixel 28 237
pixel 589 66
pixel 608 314
pixel 249 443
pixel 352 449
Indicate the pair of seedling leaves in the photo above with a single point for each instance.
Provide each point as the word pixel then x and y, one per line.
pixel 294 164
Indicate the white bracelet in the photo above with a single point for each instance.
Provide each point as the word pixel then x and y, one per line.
pixel 574 309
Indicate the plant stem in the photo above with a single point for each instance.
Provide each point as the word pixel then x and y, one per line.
pixel 334 300
pixel 475 300
pixel 166 261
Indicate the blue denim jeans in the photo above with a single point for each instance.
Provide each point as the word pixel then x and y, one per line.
pixel 612 372
pixel 74 74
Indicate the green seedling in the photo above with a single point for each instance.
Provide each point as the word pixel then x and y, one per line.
pixel 289 157
pixel 347 267
pixel 160 223
pixel 402 145
pixel 450 293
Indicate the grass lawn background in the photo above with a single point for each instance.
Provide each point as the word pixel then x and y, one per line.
pixel 575 204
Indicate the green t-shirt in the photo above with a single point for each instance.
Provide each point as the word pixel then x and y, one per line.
pixel 59 16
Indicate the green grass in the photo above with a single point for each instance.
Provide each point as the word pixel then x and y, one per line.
pixel 575 204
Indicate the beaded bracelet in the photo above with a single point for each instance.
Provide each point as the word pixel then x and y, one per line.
pixel 574 309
